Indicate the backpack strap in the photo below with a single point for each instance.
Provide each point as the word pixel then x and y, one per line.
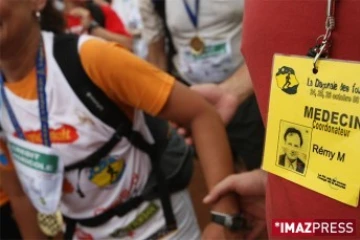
pixel 97 102
pixel 66 54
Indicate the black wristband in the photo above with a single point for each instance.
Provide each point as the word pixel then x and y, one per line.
pixel 232 222
pixel 94 24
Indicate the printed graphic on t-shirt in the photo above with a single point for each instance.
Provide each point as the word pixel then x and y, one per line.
pixel 140 220
pixel 123 196
pixel 63 134
pixel 107 172
pixel 67 187
pixel 81 235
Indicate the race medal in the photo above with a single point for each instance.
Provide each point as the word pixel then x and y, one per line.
pixel 197 45
pixel 50 224
pixel 313 129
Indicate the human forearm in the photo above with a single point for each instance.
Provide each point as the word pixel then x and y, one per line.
pixel 24 212
pixel 190 110
pixel 25 216
pixel 124 41
pixel 239 84
pixel 207 130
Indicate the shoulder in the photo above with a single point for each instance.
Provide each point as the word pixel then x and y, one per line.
pixel 300 162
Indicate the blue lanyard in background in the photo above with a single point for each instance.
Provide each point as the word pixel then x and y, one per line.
pixel 41 82
pixel 194 17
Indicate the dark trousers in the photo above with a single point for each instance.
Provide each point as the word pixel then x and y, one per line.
pixel 246 133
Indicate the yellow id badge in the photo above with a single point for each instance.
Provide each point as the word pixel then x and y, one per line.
pixel 313 129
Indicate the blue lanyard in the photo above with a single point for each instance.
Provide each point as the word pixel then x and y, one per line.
pixel 194 17
pixel 41 81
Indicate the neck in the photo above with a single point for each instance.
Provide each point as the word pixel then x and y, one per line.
pixel 19 59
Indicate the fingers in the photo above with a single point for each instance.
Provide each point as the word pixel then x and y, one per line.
pixel 225 186
pixel 245 184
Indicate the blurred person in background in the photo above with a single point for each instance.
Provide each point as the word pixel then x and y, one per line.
pixel 128 11
pixel 206 38
pixel 97 19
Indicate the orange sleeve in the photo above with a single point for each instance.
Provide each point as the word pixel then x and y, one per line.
pixel 127 79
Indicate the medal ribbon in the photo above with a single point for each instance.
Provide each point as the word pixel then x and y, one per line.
pixel 41 82
pixel 193 16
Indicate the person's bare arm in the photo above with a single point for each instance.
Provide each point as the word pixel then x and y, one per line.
pixel 86 19
pixel 24 212
pixel 250 186
pixel 228 95
pixel 147 88
pixel 124 41
pixel 239 84
pixel 189 109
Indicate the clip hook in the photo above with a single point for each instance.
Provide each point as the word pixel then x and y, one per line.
pixel 329 27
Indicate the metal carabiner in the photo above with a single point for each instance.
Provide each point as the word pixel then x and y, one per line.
pixel 322 49
pixel 329 27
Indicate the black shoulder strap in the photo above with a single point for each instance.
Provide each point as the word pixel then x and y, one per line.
pixel 96 12
pixel 66 55
pixel 97 102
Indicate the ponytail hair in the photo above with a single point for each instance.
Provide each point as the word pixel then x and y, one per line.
pixel 51 19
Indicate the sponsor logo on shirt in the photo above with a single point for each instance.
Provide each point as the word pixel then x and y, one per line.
pixel 140 220
pixel 64 134
pixel 107 172
pixel 123 196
